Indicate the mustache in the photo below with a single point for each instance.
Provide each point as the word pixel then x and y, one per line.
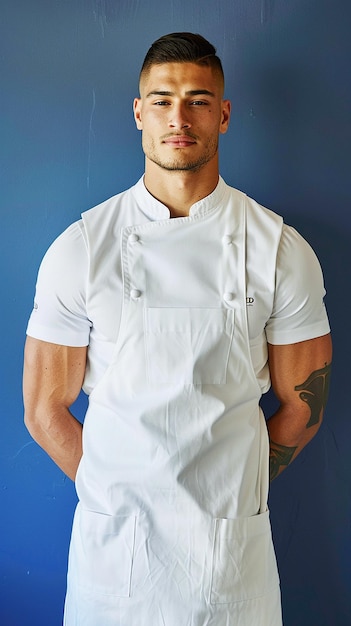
pixel 183 134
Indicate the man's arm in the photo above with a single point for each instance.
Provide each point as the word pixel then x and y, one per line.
pixel 52 379
pixel 300 379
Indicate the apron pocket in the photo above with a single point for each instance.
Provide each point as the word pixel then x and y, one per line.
pixel 105 558
pixel 244 565
pixel 188 346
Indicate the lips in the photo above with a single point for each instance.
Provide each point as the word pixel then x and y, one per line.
pixel 179 141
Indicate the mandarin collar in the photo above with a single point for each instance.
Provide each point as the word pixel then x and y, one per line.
pixel 155 210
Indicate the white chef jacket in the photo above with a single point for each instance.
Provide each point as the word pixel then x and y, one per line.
pixel 172 524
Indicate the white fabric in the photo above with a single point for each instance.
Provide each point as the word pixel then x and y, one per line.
pixel 172 524
pixel 77 305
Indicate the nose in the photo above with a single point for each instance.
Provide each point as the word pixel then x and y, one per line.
pixel 179 118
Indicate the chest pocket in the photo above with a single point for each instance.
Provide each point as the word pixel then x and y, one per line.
pixel 188 345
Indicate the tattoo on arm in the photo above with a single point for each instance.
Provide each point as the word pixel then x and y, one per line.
pixel 314 391
pixel 279 456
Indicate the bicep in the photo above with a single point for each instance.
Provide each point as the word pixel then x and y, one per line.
pixel 53 374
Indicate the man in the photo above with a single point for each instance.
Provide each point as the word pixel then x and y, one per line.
pixel 175 328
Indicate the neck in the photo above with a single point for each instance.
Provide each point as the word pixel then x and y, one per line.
pixel 179 190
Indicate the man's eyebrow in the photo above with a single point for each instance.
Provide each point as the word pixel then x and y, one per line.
pixel 192 92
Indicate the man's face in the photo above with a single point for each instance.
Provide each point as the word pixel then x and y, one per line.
pixel 181 113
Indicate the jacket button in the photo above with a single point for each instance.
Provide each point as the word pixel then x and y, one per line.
pixel 229 296
pixel 135 294
pixel 133 238
pixel 227 239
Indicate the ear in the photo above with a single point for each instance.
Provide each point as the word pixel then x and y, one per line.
pixel 226 108
pixel 137 113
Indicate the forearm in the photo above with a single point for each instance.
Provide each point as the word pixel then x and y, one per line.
pixel 285 441
pixel 60 435
pixel 300 375
pixel 52 379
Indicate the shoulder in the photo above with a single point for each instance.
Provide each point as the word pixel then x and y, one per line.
pixel 111 214
pixel 255 211
pixel 299 311
pixel 68 250
pixel 59 313
pixel 263 225
pixel 296 258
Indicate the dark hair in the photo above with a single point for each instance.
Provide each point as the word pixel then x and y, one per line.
pixel 182 48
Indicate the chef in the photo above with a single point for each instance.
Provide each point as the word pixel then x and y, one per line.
pixel 175 305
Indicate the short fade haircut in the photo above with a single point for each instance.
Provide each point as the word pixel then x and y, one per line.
pixel 182 48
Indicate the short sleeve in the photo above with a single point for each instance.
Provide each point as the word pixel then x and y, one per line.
pixel 59 313
pixel 298 312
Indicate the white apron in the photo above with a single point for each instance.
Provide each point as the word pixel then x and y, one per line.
pixel 172 527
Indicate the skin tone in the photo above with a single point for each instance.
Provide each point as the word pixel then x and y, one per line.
pixel 52 380
pixel 181 113
pixel 300 375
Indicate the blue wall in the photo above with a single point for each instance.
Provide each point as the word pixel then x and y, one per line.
pixel 68 76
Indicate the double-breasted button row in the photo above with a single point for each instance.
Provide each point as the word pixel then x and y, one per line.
pixel 135 294
pixel 227 240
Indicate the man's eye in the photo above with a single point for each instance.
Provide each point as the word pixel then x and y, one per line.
pixel 161 103
pixel 199 102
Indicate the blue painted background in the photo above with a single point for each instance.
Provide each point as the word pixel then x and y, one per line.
pixel 68 76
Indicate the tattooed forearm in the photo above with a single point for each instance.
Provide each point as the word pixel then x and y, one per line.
pixel 314 391
pixel 279 456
